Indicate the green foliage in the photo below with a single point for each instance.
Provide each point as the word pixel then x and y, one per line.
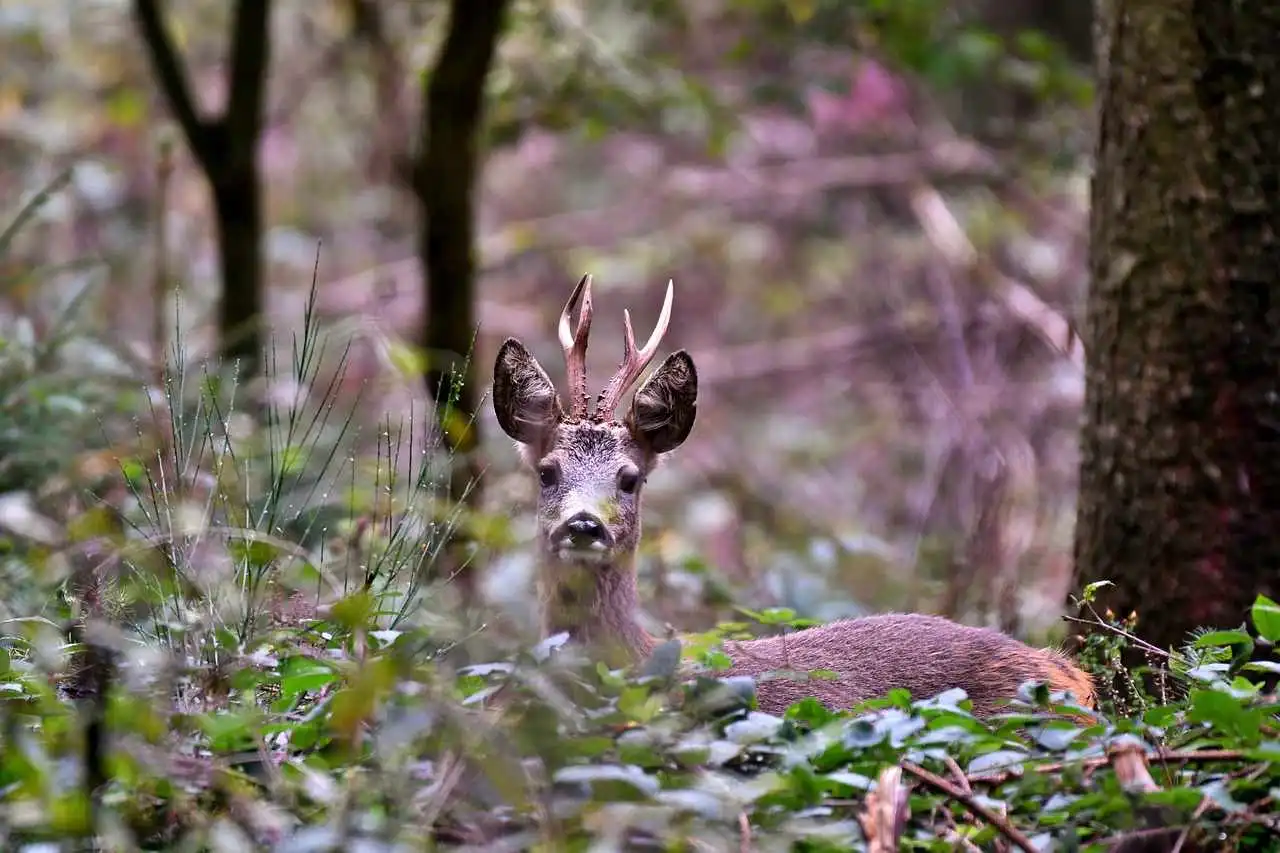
pixel 46 405
pixel 374 719
pixel 341 734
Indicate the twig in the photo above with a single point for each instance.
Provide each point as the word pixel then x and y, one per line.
pixel 956 771
pixel 160 281
pixel 451 768
pixel 1159 755
pixel 744 833
pixel 1141 643
pixel 1186 830
pixel 1008 830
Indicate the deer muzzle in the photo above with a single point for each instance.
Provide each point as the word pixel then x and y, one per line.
pixel 583 537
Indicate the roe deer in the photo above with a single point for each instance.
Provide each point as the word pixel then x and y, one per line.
pixel 591 470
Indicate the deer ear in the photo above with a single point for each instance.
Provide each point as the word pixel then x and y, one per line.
pixel 524 399
pixel 663 410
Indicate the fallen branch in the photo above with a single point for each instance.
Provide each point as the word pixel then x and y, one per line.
pixel 1002 825
pixel 1161 756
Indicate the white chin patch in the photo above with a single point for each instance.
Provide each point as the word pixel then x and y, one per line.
pixel 596 552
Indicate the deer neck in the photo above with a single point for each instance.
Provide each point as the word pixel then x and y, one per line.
pixel 595 604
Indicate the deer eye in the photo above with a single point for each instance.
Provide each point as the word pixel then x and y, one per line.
pixel 548 475
pixel 628 481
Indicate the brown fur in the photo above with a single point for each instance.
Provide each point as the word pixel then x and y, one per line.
pixel 583 462
pixel 924 654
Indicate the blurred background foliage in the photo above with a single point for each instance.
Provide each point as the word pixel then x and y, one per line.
pixel 874 213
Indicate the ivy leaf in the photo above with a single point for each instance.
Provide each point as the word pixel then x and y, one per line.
pixel 608 777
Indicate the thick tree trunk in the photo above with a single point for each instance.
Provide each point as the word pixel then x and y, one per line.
pixel 1180 478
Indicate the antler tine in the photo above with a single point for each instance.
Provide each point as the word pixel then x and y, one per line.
pixel 634 361
pixel 574 343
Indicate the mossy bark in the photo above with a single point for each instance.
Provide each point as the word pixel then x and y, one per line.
pixel 1180 478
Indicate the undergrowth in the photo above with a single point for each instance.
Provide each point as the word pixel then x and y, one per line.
pixel 239 640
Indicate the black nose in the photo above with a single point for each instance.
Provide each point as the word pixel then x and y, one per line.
pixel 585 527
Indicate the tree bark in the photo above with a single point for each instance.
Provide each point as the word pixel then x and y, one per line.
pixel 1179 481
pixel 237 204
pixel 444 180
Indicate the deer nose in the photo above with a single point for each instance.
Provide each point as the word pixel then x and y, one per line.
pixel 585 527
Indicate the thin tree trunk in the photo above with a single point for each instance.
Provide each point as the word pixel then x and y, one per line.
pixel 226 148
pixel 1180 479
pixel 444 180
pixel 238 210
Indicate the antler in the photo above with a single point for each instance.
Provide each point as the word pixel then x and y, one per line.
pixel 575 347
pixel 633 362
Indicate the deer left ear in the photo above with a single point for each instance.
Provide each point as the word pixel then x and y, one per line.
pixel 524 399
pixel 663 410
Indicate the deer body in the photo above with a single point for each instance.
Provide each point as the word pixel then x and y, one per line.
pixel 591 471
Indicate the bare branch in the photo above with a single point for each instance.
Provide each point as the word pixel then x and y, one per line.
pixel 1002 825
pixel 173 80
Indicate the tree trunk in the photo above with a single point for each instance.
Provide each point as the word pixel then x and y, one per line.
pixel 444 181
pixel 1180 479
pixel 226 148
pixel 237 201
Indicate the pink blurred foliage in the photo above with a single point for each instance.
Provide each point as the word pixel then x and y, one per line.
pixel 876 96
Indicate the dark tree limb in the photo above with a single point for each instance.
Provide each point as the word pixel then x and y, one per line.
pixel 226 147
pixel 172 77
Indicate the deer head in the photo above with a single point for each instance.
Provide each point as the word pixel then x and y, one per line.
pixel 591 467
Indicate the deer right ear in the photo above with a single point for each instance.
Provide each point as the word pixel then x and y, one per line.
pixel 663 410
pixel 524 399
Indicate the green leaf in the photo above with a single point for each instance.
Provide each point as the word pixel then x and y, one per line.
pixel 1227 714
pixel 1263 666
pixel 1222 638
pixel 303 674
pixel 1266 619
pixel 1091 591
pixel 1000 759
pixel 755 728
pixel 1183 799
pixel 776 616
pixel 810 712
pixel 628 775
pixel 716 660
pixel 354 611
pixel 229 731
